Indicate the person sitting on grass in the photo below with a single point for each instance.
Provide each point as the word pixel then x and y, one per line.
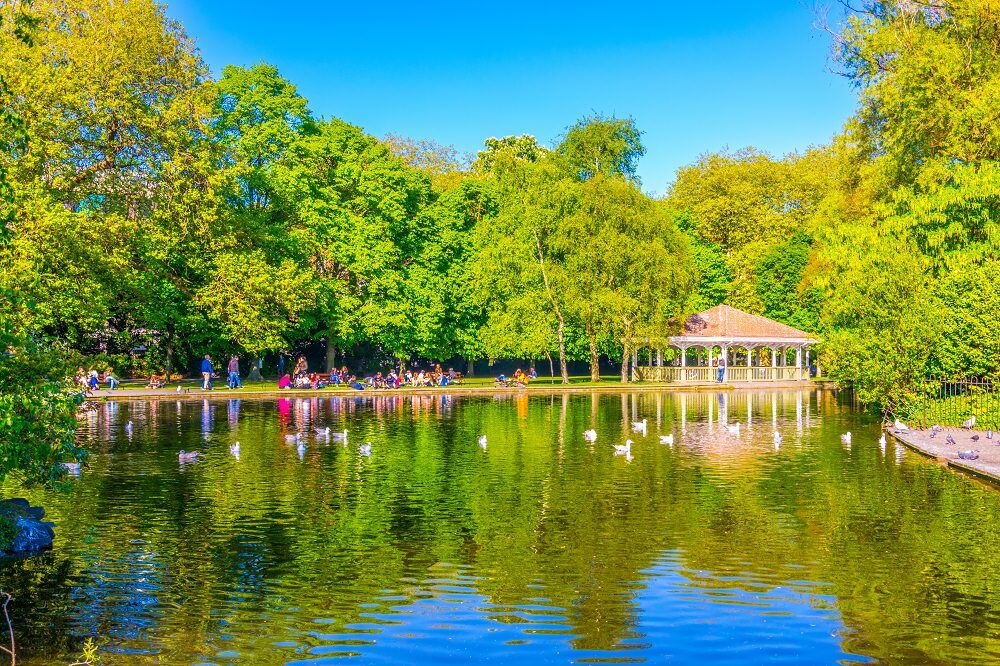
pixel 155 381
pixel 392 380
pixel 111 380
pixel 531 373
pixel 501 380
pixel 452 376
pixel 285 382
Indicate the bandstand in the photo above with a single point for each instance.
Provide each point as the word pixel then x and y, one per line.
pixel 756 349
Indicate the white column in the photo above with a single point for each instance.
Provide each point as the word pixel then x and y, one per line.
pixel 659 357
pixel 798 362
pixel 684 357
pixel 711 355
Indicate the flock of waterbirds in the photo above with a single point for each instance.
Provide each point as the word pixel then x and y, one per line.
pixel 326 434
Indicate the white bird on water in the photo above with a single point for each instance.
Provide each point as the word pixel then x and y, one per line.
pixel 294 439
pixel 187 456
pixel 624 449
pixel 639 426
pixel 482 441
pixel 366 449
pixel 234 449
pixel 667 439
pixel 590 435
pixel 71 468
pixel 846 438
pixel 342 436
pixel 301 448
pixel 734 429
pixel 323 432
pixel 777 438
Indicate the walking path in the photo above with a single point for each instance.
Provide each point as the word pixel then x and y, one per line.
pixel 267 390
pixel 986 466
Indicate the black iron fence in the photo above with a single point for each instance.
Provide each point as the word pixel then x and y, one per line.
pixel 952 402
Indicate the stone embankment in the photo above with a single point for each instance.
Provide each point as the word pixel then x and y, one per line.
pixel 987 464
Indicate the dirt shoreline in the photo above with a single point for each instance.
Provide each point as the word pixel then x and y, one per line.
pixel 198 394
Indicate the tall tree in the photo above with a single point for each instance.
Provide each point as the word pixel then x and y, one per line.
pixel 603 145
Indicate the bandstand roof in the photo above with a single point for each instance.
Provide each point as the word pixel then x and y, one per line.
pixel 724 324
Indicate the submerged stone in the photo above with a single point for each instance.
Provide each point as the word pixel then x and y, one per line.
pixel 22 531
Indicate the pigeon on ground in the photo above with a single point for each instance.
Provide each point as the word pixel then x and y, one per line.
pixel 975 438
pixel 968 455
pixel 949 439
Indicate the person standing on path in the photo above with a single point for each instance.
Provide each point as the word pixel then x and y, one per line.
pixel 206 373
pixel 234 372
pixel 722 368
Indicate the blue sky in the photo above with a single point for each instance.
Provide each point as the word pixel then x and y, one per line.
pixel 697 77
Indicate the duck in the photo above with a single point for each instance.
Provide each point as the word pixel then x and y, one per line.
pixel 624 449
pixel 188 456
pixel 846 438
pixel 234 449
pixel 323 432
pixel 71 468
pixel 590 435
pixel 366 449
pixel 639 426
pixel 667 439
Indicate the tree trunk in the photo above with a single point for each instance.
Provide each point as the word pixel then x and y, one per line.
pixel 595 358
pixel 331 354
pixel 562 351
pixel 471 372
pixel 168 350
pixel 552 367
pixel 557 310
pixel 625 359
pixel 255 375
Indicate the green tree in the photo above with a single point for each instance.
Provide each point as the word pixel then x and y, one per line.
pixel 603 145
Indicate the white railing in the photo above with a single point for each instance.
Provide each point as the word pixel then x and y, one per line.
pixel 704 374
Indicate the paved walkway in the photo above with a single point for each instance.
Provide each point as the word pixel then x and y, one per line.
pixel 987 465
pixel 259 391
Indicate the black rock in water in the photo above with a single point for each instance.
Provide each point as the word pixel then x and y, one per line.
pixel 21 528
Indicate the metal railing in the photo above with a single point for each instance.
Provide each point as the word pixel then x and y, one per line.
pixel 705 374
pixel 951 402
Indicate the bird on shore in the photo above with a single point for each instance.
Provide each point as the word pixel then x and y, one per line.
pixel 366 449
pixel 935 428
pixel 933 433
pixel 970 423
pixel 624 449
pixel 667 439
pixel 989 434
pixel 846 438
pixel 179 388
pixel 72 468
pixel 948 439
pixel 188 456
pixel 968 455
pixel 734 429
pixel 900 427
pixel 590 435
pixel 234 449
pixel 639 426
pixel 975 438
pixel 128 427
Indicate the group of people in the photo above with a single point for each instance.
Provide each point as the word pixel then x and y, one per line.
pixel 91 379
pixel 519 378
pixel 233 380
pixel 302 378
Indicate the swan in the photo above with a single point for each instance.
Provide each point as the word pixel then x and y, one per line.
pixel 482 441
pixel 234 449
pixel 846 438
pixel 734 429
pixel 624 449
pixel 366 449
pixel 590 435
pixel 339 435
pixel 667 439
pixel 323 432
pixel 639 426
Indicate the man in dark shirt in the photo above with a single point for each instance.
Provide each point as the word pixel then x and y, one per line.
pixel 206 373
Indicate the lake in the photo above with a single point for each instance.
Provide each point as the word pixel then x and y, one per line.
pixel 541 547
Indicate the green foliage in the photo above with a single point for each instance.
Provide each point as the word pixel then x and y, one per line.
pixel 600 145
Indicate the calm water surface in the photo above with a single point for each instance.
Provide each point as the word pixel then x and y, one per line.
pixel 540 548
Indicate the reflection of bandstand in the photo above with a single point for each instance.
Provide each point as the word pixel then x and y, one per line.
pixel 736 336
